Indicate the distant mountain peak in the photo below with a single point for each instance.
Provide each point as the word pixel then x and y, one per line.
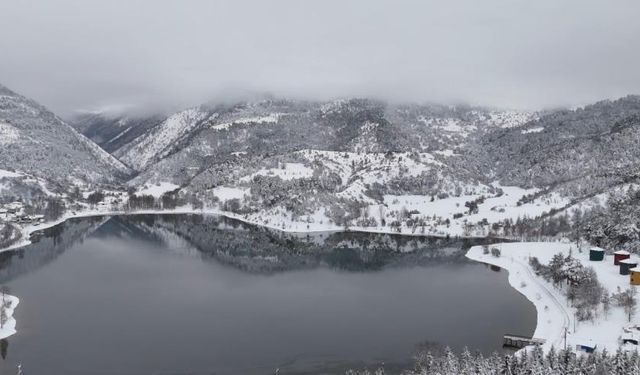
pixel 6 92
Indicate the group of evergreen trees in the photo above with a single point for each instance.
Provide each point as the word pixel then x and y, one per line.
pixel 536 362
pixel 614 226
pixel 9 234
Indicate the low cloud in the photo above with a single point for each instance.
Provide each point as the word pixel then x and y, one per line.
pixel 73 55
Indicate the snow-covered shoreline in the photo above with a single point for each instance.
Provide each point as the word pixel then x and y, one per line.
pixel 9 328
pixel 554 311
pixel 552 317
pixel 554 314
pixel 27 230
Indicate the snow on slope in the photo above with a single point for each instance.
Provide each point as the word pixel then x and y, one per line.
pixel 371 167
pixel 359 169
pixel 448 124
pixel 225 193
pixel 287 171
pixel 438 215
pixel 14 184
pixel 268 119
pixel 4 173
pixel 533 130
pixel 510 119
pixel 101 154
pixel 8 134
pixel 156 190
pixel 442 214
pixel 37 142
pixel 159 141
pixel 494 208
pixel 499 119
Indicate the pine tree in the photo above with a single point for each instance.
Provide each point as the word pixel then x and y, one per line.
pixel 450 365
pixel 618 365
pixel 552 360
pixel 466 363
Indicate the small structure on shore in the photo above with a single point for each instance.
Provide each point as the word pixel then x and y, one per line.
pixel 620 255
pixel 596 254
pixel 630 335
pixel 635 276
pixel 587 348
pixel 519 342
pixel 626 265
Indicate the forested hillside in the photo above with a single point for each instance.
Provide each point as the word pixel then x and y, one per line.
pixel 579 152
pixel 356 163
pixel 35 141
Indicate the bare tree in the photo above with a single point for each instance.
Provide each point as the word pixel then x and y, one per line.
pixel 3 315
pixel 627 300
pixel 4 290
pixel 3 306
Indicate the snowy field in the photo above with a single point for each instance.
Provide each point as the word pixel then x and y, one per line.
pixel 5 173
pixel 288 171
pixel 554 309
pixel 156 190
pixel 494 209
pixel 271 118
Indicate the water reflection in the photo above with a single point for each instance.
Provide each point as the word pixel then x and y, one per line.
pixel 4 347
pixel 48 245
pixel 205 294
pixel 246 247
pixel 258 249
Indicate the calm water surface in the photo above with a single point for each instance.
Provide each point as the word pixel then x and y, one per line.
pixel 205 295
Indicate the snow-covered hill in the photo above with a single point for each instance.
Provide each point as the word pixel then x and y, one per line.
pixel 36 142
pixel 300 165
pixel 161 139
pixel 320 160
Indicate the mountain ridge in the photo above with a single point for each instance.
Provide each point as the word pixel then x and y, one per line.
pixel 37 142
pixel 365 163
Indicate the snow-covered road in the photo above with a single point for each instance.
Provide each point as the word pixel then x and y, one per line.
pixel 554 311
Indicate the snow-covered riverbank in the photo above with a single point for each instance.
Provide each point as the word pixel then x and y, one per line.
pixel 554 310
pixel 554 313
pixel 28 229
pixel 9 327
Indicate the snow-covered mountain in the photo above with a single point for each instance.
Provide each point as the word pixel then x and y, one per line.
pixel 319 160
pixel 162 139
pixel 185 141
pixel 293 164
pixel 588 146
pixel 111 131
pixel 285 125
pixel 36 142
pixel 301 165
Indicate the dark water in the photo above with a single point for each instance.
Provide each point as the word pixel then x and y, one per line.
pixel 203 295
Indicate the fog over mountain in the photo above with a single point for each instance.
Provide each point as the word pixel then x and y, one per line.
pixel 320 187
pixel 171 55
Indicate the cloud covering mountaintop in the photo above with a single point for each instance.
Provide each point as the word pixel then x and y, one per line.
pixel 72 55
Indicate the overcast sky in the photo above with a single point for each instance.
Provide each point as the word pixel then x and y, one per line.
pixel 87 54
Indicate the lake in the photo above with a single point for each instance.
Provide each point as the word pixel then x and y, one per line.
pixel 191 294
